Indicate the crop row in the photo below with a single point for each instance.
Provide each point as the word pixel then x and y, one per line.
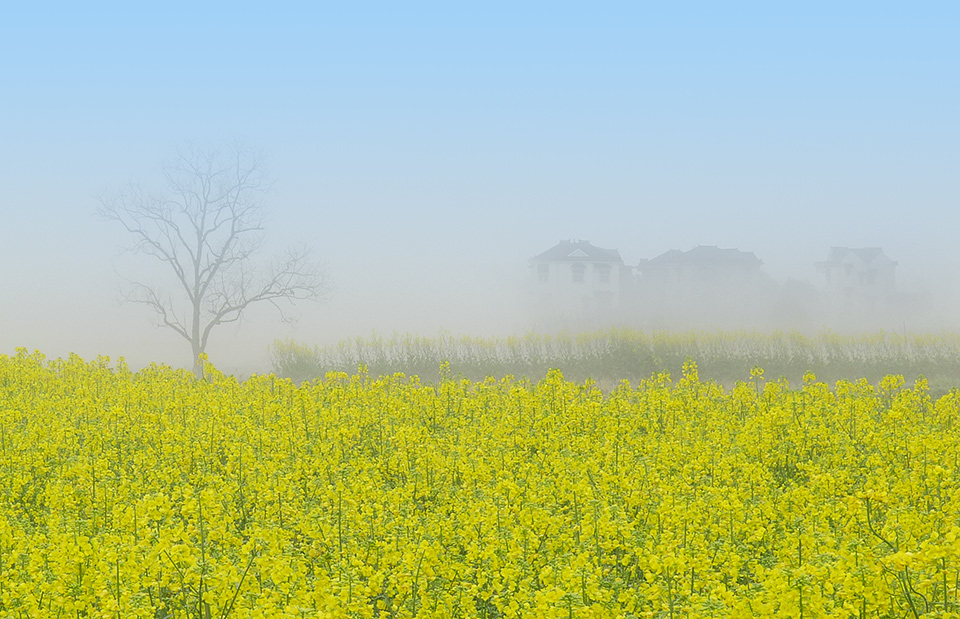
pixel 153 494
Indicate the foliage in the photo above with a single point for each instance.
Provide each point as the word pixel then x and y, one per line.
pixel 611 355
pixel 153 494
pixel 299 362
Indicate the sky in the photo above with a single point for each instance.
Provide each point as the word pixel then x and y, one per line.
pixel 427 151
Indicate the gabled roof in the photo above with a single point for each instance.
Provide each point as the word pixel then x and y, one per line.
pixel 865 254
pixel 578 251
pixel 704 255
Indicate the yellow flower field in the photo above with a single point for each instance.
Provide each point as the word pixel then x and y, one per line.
pixel 152 494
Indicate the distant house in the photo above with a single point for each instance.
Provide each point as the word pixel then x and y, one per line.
pixel 575 282
pixel 706 285
pixel 704 265
pixel 859 282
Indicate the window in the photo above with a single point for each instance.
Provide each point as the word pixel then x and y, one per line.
pixel 603 273
pixel 543 272
pixel 578 269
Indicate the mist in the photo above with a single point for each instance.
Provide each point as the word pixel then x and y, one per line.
pixel 428 157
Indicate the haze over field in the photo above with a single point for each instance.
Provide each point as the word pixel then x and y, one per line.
pixel 428 151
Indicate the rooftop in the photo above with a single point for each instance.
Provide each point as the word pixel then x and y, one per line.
pixel 576 250
pixel 704 255
pixel 865 254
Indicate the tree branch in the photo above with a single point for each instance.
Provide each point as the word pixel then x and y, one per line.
pixel 206 227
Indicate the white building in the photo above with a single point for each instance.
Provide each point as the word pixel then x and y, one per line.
pixel 578 284
pixel 859 282
pixel 707 286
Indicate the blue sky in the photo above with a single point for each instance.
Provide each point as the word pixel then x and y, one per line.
pixel 428 149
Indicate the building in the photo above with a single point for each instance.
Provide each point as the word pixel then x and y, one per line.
pixel 863 272
pixel 576 284
pixel 704 286
pixel 859 282
pixel 704 266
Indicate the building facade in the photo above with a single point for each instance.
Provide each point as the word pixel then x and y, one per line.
pixel 576 283
pixel 859 283
pixel 703 286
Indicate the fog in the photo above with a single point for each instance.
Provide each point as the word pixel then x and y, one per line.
pixel 428 154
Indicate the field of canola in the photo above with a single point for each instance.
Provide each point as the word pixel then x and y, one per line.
pixel 151 494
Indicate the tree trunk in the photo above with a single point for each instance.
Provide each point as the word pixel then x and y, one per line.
pixel 197 363
pixel 195 342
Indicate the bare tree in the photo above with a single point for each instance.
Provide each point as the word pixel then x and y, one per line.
pixel 205 227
